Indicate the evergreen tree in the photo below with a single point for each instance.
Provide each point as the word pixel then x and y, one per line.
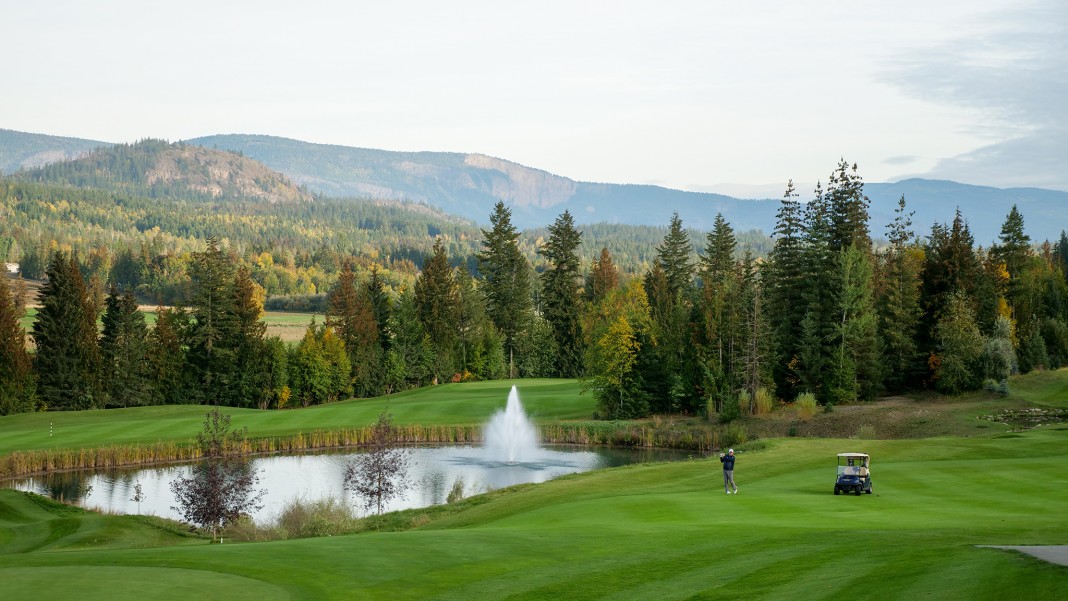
pixel 124 352
pixel 783 288
pixel 381 306
pixel 898 305
pixel 856 371
pixel 172 379
pixel 751 356
pixel 950 268
pixel 958 366
pixel 848 209
pixel 506 277
pixel 17 387
pixel 820 291
pixel 1014 252
pixel 674 256
pixel 246 340
pixel 351 315
pixel 411 357
pixel 68 355
pixel 212 278
pixel 721 312
pixel 561 294
pixel 437 302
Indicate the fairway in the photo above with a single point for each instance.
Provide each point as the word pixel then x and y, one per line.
pixel 652 531
pixel 448 404
pixel 658 531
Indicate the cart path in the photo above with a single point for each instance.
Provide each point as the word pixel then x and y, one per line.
pixel 1052 553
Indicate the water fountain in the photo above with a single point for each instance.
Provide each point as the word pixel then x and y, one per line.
pixel 509 435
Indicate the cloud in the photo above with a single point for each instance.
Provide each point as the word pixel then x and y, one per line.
pixel 1010 68
pixel 901 160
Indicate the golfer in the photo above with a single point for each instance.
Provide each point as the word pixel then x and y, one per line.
pixel 728 471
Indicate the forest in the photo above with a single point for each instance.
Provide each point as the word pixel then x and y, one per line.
pixel 714 326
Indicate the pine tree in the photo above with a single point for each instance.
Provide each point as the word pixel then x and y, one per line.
pixel 783 287
pixel 898 305
pixel 1014 252
pixel 820 266
pixel 246 339
pixel 124 352
pixel 411 357
pixel 674 255
pixel 950 268
pixel 847 209
pixel 855 373
pixel 213 297
pixel 438 303
pixel 561 294
pixel 169 372
pixel 17 387
pixel 68 355
pixel 506 277
pixel 351 315
pixel 381 306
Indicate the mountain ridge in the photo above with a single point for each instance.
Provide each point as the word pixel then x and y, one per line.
pixel 468 184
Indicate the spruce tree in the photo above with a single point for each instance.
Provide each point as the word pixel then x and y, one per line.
pixel 246 341
pixel 898 305
pixel 170 374
pixel 437 302
pixel 351 315
pixel 506 277
pixel 561 294
pixel 68 355
pixel 212 278
pixel 1014 252
pixel 674 255
pixel 847 209
pixel 124 352
pixel 783 287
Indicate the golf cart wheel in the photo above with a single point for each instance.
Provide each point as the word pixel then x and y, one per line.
pixel 856 490
pixel 837 491
pixel 869 488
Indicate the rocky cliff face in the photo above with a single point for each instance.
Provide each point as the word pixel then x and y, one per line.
pixel 523 186
pixel 223 174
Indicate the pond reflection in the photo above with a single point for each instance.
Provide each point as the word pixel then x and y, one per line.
pixel 433 471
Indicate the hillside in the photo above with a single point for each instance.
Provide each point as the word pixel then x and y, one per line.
pixel 159 169
pixel 19 150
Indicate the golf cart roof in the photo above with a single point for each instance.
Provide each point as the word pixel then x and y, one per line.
pixel 864 455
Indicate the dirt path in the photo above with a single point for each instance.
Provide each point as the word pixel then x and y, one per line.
pixel 1057 554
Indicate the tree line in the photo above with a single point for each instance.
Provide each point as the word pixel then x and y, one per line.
pixel 824 313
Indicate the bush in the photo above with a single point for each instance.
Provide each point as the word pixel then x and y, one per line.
pixel 324 517
pixel 735 435
pixel 763 401
pixel 865 432
pixel 806 406
pixel 457 492
pixel 745 403
pixel 731 410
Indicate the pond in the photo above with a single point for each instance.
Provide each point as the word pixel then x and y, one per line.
pixel 433 472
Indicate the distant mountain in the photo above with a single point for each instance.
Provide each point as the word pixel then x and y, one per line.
pixel 155 168
pixel 19 150
pixel 467 185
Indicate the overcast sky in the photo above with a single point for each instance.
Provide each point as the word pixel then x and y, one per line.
pixel 690 94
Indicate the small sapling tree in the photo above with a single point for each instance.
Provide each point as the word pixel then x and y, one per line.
pixel 139 495
pixel 380 474
pixel 221 487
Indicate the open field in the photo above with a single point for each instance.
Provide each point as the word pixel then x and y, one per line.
pixel 289 327
pixel 448 404
pixel 656 531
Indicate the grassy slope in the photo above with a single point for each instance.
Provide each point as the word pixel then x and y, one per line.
pixel 470 403
pixel 660 531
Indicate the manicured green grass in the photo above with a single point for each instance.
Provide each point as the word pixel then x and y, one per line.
pixel 463 404
pixel 655 531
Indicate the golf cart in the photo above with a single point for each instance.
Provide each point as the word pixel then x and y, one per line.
pixel 853 474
